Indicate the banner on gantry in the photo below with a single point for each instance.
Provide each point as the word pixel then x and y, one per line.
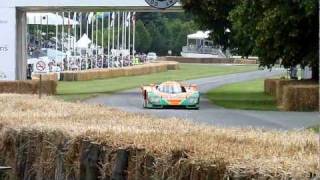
pixel 7 44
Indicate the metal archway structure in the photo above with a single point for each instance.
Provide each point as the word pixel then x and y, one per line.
pixel 13 45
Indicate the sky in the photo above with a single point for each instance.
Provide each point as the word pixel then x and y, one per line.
pixel 77 2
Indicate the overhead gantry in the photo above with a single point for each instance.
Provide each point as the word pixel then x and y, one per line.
pixel 13 29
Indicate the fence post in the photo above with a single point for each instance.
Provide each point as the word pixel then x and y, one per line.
pixel 40 86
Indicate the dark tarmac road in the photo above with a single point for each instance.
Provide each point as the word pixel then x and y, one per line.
pixel 131 101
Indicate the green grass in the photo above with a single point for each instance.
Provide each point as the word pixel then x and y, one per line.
pixel 245 95
pixel 80 90
pixel 315 128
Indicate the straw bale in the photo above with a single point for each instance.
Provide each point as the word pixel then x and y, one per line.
pixel 270 86
pixel 280 84
pixel 80 76
pixel 68 76
pixel 48 76
pixel 245 61
pixel 28 87
pixel 300 98
pixel 119 72
pixel 49 139
pixel 173 66
pixel 8 86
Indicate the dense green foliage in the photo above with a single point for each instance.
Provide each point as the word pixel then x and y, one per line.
pixel 212 15
pixel 155 31
pixel 159 32
pixel 315 128
pixel 167 31
pixel 273 30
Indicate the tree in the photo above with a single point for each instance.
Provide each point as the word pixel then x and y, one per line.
pixel 143 39
pixel 168 31
pixel 273 30
pixel 158 42
pixel 282 30
pixel 212 15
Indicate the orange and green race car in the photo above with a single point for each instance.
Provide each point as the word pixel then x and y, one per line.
pixel 171 94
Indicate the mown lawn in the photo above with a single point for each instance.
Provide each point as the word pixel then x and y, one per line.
pixel 245 95
pixel 315 128
pixel 73 91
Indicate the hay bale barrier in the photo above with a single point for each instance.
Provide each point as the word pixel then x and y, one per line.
pixel 51 139
pixel 46 77
pixel 49 87
pixel 282 83
pixel 209 60
pixel 92 74
pixel 300 98
pixel 306 97
pixel 270 86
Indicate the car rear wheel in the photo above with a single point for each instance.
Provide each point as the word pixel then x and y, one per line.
pixel 145 99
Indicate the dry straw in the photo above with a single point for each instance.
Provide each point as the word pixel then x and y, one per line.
pixel 92 74
pixel 300 98
pixel 28 87
pixel 292 153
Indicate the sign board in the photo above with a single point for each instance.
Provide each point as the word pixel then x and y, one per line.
pixel 161 4
pixel 41 66
pixel 7 43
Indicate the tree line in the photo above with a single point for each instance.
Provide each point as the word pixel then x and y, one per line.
pixel 161 32
pixel 279 30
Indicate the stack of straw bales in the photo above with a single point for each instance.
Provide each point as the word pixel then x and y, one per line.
pixel 119 72
pixel 51 139
pixel 46 77
pixel 294 95
pixel 300 98
pixel 270 86
pixel 245 61
pixel 209 60
pixel 49 87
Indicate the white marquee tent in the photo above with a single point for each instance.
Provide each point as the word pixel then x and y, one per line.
pixel 49 18
pixel 199 35
pixel 83 42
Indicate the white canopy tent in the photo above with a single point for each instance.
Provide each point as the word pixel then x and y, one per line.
pixel 83 42
pixel 200 35
pixel 49 18
pixel 13 20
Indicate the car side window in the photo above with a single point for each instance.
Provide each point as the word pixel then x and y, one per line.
pixel 183 89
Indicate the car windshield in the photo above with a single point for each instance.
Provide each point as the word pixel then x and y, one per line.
pixel 170 89
pixel 152 54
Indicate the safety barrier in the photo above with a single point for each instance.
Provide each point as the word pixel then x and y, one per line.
pixel 119 72
pixel 294 95
pixel 48 87
pixel 209 60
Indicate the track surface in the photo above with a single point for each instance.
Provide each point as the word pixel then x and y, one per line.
pixel 131 101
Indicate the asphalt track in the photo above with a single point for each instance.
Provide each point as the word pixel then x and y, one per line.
pixel 131 101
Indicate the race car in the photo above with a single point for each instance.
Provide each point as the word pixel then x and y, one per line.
pixel 171 94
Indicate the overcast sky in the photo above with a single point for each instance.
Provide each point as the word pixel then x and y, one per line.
pixel 75 2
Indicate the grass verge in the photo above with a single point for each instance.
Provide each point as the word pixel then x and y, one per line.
pixel 80 90
pixel 247 95
pixel 315 128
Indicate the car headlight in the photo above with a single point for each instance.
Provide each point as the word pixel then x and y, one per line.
pixel 193 100
pixel 154 99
